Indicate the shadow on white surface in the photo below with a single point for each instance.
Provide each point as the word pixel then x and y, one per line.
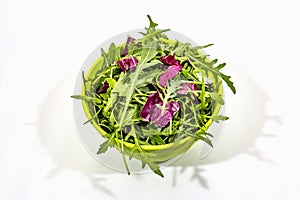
pixel 58 136
pixel 247 111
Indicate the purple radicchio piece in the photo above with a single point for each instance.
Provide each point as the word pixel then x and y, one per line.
pixel 171 109
pixel 103 88
pixel 154 113
pixel 128 63
pixel 170 73
pixel 186 87
pixel 151 112
pixel 169 60
pixel 151 101
pixel 129 40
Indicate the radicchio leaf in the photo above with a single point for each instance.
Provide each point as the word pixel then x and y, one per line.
pixel 171 109
pixel 103 88
pixel 186 87
pixel 169 60
pixel 151 112
pixel 170 73
pixel 128 63
pixel 154 113
pixel 129 40
pixel 151 101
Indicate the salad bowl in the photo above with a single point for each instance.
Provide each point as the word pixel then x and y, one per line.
pixel 148 95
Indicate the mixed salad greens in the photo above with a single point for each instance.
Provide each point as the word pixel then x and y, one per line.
pixel 153 91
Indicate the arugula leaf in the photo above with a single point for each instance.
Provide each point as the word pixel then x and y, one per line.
pixel 208 66
pixel 148 52
pixel 154 168
pixel 218 118
pixel 202 47
pixel 217 97
pixel 155 35
pixel 152 24
pixel 111 82
pixel 143 155
pixel 86 98
pixel 106 60
pixel 104 146
pixel 112 53
pixel 181 49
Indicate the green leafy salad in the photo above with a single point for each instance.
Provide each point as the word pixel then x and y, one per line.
pixel 153 97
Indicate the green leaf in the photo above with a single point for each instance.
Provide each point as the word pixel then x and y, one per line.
pixel 131 114
pixel 156 169
pixel 149 76
pixel 201 135
pixel 106 60
pixel 86 98
pixel 181 49
pixel 208 141
pixel 202 47
pixel 82 97
pixel 220 66
pixel 201 64
pixel 156 34
pixel 143 164
pixel 217 97
pixel 104 146
pixel 148 52
pixel 152 24
pixel 93 118
pixel 121 86
pixel 219 118
pixel 111 82
pixel 229 82
pixel 112 52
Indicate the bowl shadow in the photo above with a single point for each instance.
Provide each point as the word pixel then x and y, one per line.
pixel 247 111
pixel 58 137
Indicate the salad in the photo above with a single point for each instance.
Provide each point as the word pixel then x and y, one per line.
pixel 153 97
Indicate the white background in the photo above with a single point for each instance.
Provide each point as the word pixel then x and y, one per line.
pixel 43 45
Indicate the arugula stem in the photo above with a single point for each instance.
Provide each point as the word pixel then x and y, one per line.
pixel 124 158
pixel 192 82
pixel 84 80
pixel 105 126
pixel 97 78
pixel 139 101
pixel 195 115
pixel 189 124
pixel 170 130
pixel 140 93
pixel 111 71
pixel 165 101
pixel 202 95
